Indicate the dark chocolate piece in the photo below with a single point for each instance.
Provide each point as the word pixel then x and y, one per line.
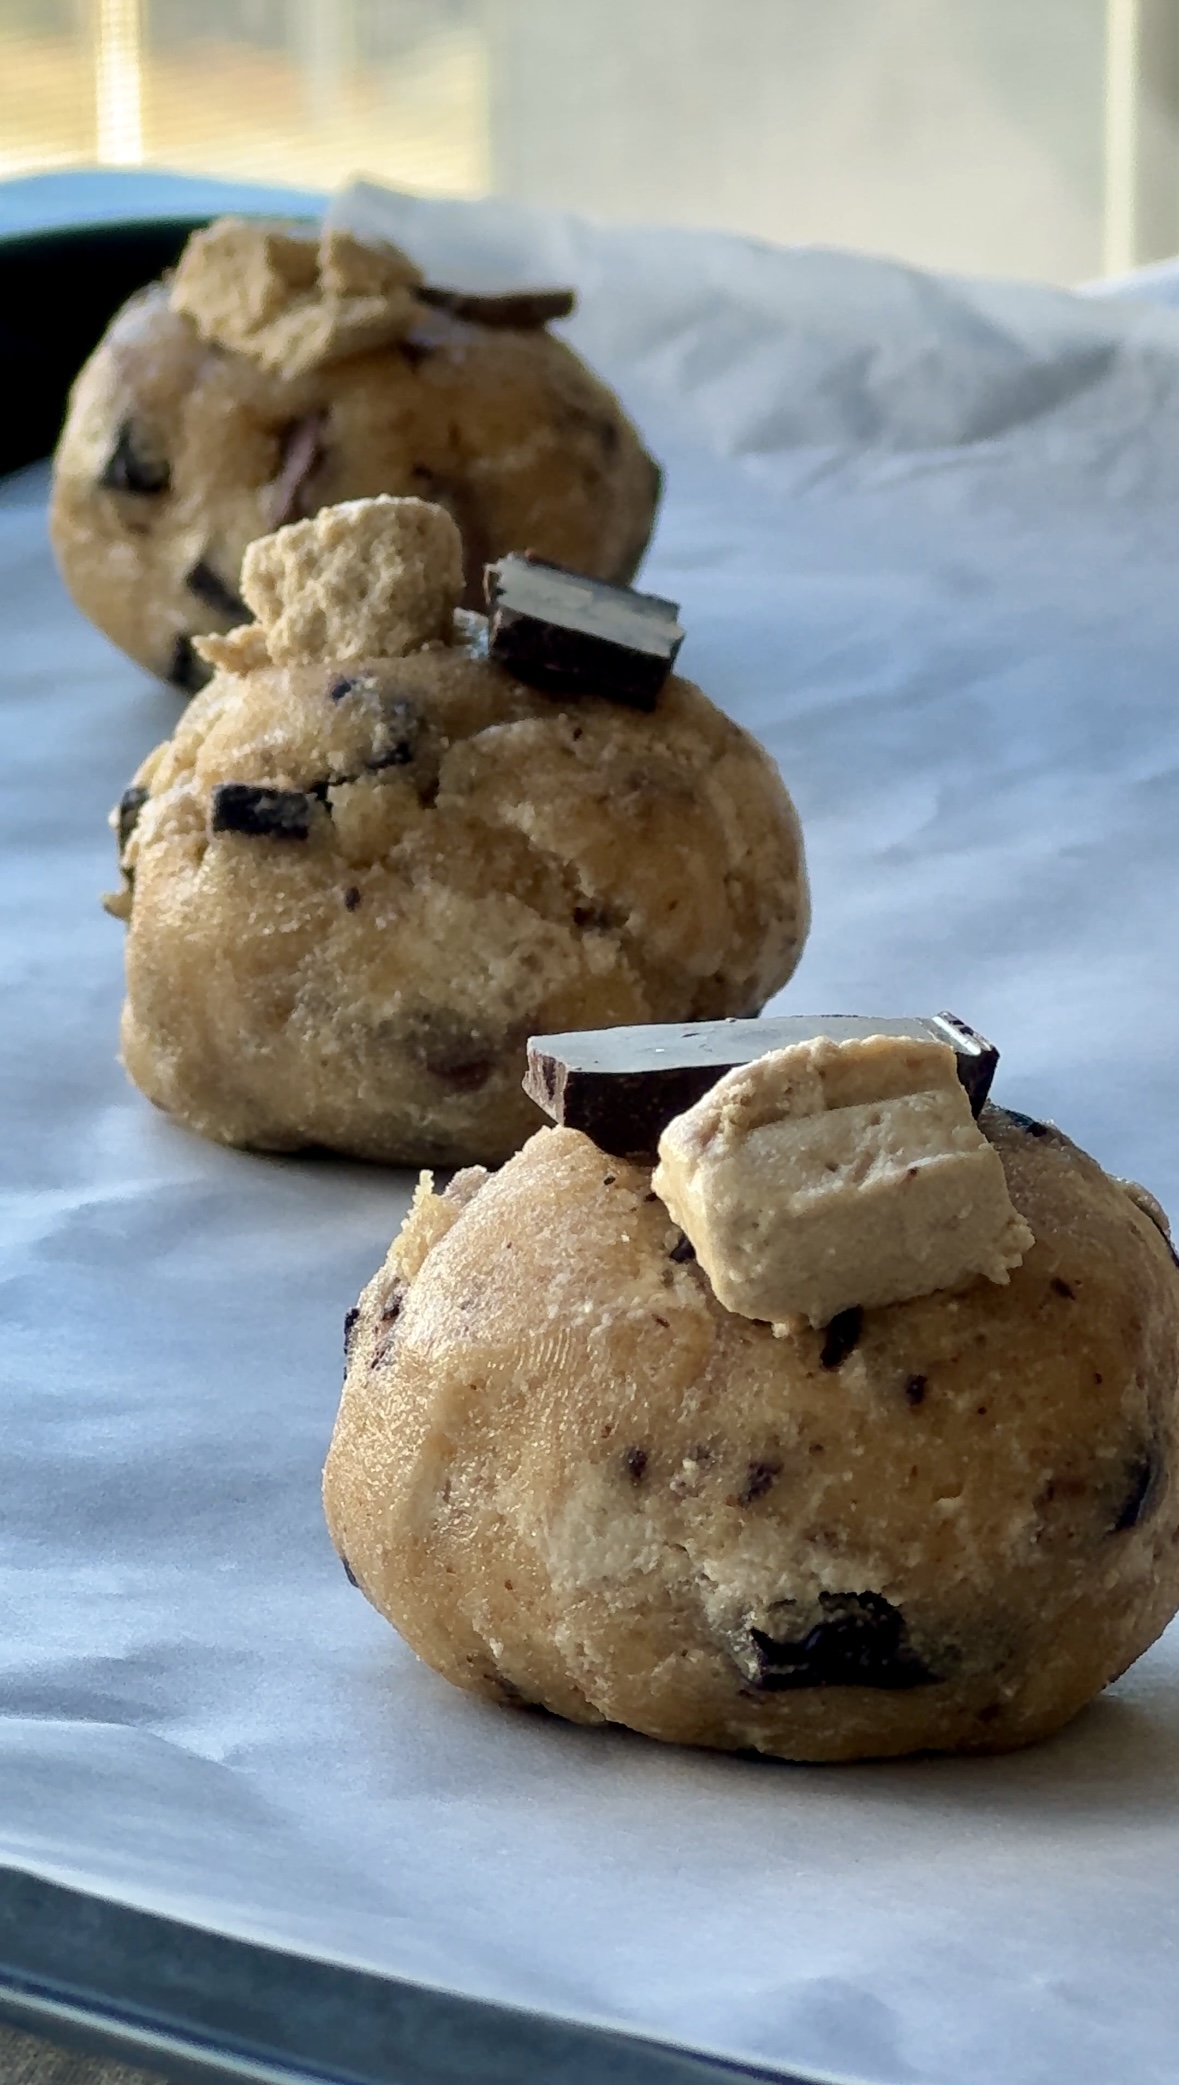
pixel 1144 1478
pixel 622 1086
pixel 842 1337
pixel 520 311
pixel 130 468
pixel 131 804
pixel 185 670
pixel 683 1251
pixel 399 724
pixel 569 635
pixel 1028 1123
pixel 209 587
pixel 271 814
pixel 350 1319
pixel 635 1462
pixel 915 1390
pixel 861 1641
pixel 302 453
pixel 759 1478
pixel 397 738
pixel 349 1573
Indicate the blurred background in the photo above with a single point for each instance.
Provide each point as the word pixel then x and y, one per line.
pixel 1037 138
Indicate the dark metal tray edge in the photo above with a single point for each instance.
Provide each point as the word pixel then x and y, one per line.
pixel 200 2005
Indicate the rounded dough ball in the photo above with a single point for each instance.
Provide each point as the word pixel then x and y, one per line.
pixel 476 863
pixel 178 452
pixel 570 1478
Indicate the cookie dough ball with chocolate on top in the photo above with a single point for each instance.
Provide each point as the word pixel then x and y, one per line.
pixel 374 857
pixel 280 371
pixel 573 1476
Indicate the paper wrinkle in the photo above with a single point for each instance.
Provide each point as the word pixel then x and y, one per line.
pixel 923 535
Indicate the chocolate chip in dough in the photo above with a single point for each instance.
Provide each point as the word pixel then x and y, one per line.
pixel 841 1337
pixel 131 467
pixel 350 1322
pixel 861 1641
pixel 131 804
pixel 759 1478
pixel 259 813
pixel 209 587
pixel 185 670
pixel 1144 1480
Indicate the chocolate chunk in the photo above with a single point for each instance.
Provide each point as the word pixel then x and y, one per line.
pixel 1144 1477
pixel 622 1086
pixel 398 726
pixel 131 467
pixel 351 898
pixel 570 635
pixel 635 1463
pixel 683 1251
pixel 185 670
pixel 1028 1123
pixel 302 452
pixel 131 804
pixel 841 1337
pixel 759 1479
pixel 350 1322
pixel 861 1641
pixel 519 311
pixel 271 814
pixel 349 1573
pixel 915 1390
pixel 209 587
pixel 397 737
pixel 1061 1288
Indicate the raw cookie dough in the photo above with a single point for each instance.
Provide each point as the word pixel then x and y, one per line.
pixel 834 1173
pixel 281 372
pixel 569 1477
pixel 355 885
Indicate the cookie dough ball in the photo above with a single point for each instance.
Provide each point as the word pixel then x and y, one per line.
pixel 570 1478
pixel 355 885
pixel 279 373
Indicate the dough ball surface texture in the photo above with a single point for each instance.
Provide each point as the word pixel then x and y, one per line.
pixel 353 891
pixel 180 448
pixel 570 1478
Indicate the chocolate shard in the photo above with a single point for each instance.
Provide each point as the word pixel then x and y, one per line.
pixel 1144 1484
pixel 185 670
pixel 131 804
pixel 131 467
pixel 570 635
pixel 519 311
pixel 271 814
pixel 209 587
pixel 860 1641
pixel 622 1086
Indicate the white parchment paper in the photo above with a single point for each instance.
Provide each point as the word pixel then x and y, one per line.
pixel 925 535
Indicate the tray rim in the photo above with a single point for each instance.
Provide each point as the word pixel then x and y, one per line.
pixel 153 1990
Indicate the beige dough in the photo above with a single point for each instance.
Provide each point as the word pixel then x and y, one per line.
pixel 479 862
pixel 277 378
pixel 570 1478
